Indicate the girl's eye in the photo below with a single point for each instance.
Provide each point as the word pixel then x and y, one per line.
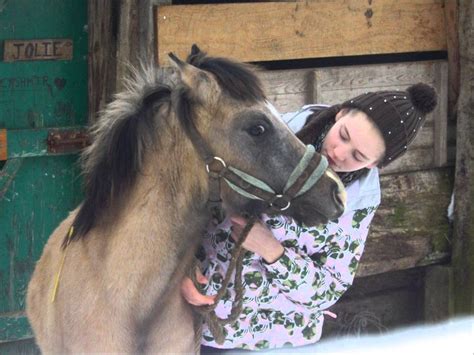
pixel 342 136
pixel 256 130
pixel 357 159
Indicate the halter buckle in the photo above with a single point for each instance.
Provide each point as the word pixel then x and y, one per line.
pixel 274 199
pixel 220 160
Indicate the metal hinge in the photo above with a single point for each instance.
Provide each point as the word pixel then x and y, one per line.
pixel 66 141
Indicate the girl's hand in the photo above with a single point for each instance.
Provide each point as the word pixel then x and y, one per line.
pixel 192 295
pixel 260 239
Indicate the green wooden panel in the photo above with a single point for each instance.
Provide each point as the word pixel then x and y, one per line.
pixel 23 347
pixel 37 188
pixel 14 326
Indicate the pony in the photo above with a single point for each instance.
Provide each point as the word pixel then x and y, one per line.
pixel 109 276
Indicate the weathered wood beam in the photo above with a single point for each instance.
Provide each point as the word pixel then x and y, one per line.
pixel 121 33
pixel 438 281
pixel 410 227
pixel 305 29
pixel 377 303
pixel 137 35
pixel 463 242
pixel 102 18
pixel 451 13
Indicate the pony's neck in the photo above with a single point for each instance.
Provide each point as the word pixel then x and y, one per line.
pixel 173 188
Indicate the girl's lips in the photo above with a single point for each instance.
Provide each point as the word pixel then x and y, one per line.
pixel 331 162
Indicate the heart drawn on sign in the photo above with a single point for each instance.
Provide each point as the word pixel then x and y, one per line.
pixel 60 83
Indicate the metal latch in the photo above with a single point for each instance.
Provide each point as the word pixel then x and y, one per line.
pixel 66 141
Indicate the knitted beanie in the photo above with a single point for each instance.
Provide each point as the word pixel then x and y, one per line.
pixel 398 115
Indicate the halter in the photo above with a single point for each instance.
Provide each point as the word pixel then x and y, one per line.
pixel 305 175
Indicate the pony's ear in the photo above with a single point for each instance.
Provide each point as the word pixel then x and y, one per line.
pixel 195 50
pixel 194 78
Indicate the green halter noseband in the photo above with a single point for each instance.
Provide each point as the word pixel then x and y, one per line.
pixel 297 173
pixel 305 175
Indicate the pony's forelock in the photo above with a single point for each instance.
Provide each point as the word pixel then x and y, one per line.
pixel 238 80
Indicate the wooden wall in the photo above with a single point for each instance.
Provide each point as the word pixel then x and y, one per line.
pixel 301 29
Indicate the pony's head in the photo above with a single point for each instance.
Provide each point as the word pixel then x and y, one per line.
pixel 222 103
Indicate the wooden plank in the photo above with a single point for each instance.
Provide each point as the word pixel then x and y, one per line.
pixel 410 227
pixel 331 85
pixel 102 60
pixel 441 120
pixel 463 238
pixel 39 49
pixel 14 326
pixel 438 287
pixel 414 159
pixel 288 90
pixel 309 29
pixel 452 42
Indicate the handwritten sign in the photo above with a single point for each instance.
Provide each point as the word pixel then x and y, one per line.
pixel 38 49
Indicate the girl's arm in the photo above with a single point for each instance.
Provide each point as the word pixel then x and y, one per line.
pixel 319 264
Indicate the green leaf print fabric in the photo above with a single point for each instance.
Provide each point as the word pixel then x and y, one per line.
pixel 284 301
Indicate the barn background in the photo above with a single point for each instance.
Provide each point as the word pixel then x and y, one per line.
pixel 417 267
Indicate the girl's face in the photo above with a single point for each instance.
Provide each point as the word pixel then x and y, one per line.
pixel 353 142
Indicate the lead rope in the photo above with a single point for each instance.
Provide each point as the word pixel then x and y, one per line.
pixel 216 324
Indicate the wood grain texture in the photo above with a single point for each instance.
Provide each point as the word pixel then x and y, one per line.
pixel 102 60
pixel 288 90
pixel 40 49
pixel 451 12
pixel 440 82
pixel 304 29
pixel 463 239
pixel 379 302
pixel 410 227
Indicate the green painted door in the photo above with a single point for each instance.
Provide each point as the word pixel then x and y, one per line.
pixel 43 107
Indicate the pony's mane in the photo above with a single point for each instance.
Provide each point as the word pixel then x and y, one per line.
pixel 127 127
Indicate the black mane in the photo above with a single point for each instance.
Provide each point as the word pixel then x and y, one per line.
pixel 112 165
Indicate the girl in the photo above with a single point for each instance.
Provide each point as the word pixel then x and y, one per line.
pixel 293 273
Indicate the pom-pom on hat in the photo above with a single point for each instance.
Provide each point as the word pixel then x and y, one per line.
pixel 398 115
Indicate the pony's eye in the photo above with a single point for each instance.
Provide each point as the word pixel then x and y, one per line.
pixel 256 130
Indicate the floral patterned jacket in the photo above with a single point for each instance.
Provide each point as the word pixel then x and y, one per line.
pixel 284 301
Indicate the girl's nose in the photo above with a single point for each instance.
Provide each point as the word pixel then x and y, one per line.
pixel 340 153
